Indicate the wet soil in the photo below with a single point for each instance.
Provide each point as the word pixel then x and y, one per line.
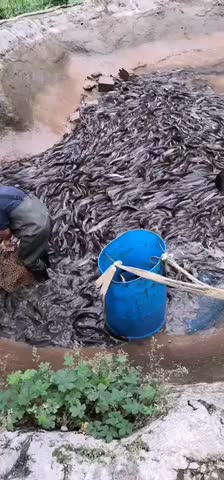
pixel 201 355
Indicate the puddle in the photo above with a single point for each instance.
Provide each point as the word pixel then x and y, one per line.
pixel 16 145
pixel 195 314
pixel 46 99
pixel 216 82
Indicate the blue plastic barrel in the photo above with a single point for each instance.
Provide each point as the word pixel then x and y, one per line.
pixel 135 308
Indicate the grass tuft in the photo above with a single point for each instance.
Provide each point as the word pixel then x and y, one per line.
pixel 12 8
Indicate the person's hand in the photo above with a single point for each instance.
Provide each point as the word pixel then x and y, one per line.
pixel 8 246
pixel 5 234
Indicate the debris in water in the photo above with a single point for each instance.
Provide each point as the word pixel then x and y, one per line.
pixel 74 117
pixel 94 76
pixel 124 75
pixel 106 84
pixel 89 84
pixel 145 157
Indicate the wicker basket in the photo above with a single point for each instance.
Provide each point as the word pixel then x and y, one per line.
pixel 12 274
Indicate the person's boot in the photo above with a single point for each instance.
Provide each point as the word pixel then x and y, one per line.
pixel 41 276
pixel 45 258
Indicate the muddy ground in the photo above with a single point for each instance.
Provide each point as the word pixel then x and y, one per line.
pixel 201 355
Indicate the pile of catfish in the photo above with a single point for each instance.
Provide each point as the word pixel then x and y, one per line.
pixel 145 157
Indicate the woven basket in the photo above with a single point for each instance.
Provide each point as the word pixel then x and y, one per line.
pixel 12 274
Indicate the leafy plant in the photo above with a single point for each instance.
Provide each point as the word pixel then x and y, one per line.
pixel 106 398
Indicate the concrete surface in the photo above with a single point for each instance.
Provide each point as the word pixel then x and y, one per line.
pixel 186 444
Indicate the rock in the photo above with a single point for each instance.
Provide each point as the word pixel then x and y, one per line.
pixel 203 469
pixel 214 475
pixel 124 75
pixel 220 465
pixel 74 117
pixel 95 76
pixel 193 466
pixel 64 428
pixel 187 476
pixel 89 85
pixel 106 84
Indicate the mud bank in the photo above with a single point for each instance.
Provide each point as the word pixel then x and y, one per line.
pixel 202 355
pixel 45 59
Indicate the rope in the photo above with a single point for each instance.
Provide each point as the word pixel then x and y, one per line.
pixel 196 287
pixel 170 261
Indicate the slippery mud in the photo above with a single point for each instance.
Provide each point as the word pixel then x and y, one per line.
pixel 201 355
pixel 45 100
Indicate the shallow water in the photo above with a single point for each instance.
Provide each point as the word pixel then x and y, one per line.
pixel 46 100
pixel 189 314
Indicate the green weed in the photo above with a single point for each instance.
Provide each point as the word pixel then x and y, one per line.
pixel 106 398
pixel 12 8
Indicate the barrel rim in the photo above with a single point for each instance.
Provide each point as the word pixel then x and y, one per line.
pixel 121 235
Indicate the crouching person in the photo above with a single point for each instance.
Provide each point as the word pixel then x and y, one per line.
pixel 28 219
